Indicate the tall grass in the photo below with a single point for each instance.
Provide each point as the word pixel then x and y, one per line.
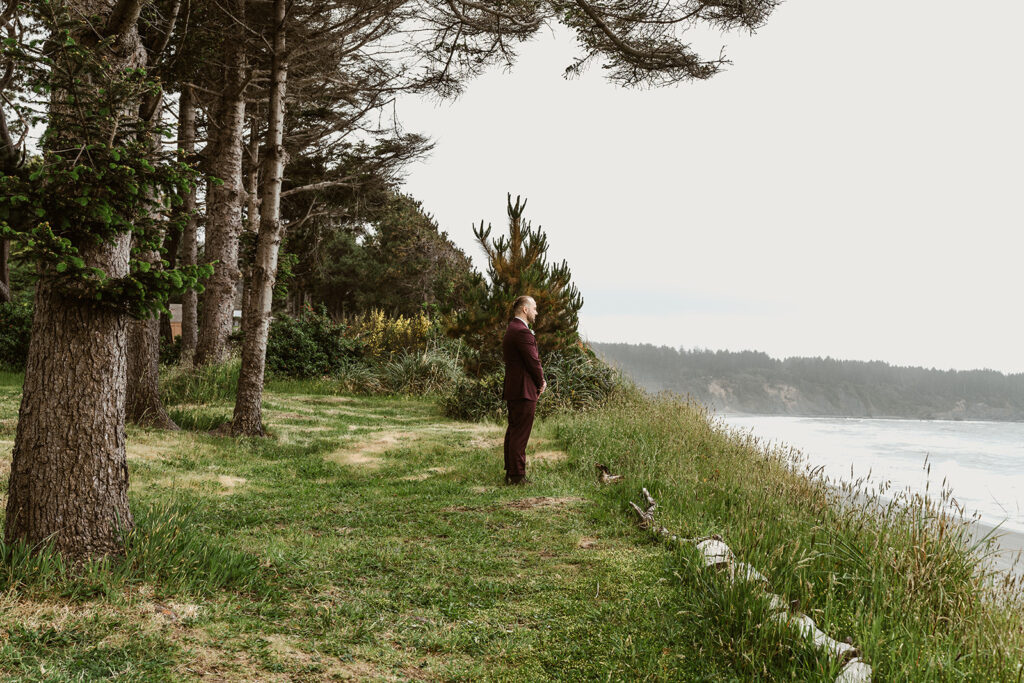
pixel 361 377
pixel 165 548
pixel 427 372
pixel 897 574
pixel 207 384
pixel 12 378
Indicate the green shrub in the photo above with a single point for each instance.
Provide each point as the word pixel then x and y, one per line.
pixel 430 372
pixel 577 382
pixel 369 354
pixel 15 331
pixel 383 336
pixel 311 345
pixel 476 399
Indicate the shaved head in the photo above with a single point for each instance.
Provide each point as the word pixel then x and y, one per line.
pixel 526 308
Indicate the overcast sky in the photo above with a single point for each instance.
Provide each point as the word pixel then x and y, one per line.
pixel 850 187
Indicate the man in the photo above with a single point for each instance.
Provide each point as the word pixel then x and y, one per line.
pixel 524 383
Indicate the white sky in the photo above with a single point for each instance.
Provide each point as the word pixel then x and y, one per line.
pixel 850 187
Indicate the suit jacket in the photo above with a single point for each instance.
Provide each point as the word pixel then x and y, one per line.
pixel 523 373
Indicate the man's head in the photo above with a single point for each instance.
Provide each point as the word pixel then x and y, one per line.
pixel 526 308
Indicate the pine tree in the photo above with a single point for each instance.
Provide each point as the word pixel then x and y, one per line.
pixel 97 186
pixel 517 264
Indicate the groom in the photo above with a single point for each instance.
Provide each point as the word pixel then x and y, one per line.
pixel 524 382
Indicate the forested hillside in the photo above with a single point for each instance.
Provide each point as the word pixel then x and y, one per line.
pixel 753 382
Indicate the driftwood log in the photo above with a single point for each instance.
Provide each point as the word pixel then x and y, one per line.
pixel 717 555
pixel 606 477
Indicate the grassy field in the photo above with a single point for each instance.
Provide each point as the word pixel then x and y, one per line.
pixel 371 539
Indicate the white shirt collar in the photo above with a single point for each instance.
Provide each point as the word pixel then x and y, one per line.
pixel 527 325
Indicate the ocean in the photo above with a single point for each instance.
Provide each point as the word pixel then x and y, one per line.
pixel 981 462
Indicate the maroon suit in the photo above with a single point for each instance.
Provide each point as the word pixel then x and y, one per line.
pixel 523 379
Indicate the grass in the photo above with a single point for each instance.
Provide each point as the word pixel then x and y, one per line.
pixel 370 539
pixel 902 580
pixel 207 384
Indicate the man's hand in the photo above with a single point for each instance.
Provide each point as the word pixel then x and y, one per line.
pixel 543 386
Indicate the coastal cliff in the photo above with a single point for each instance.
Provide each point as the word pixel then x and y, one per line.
pixel 752 382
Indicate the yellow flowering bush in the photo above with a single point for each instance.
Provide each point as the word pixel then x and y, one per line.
pixel 383 336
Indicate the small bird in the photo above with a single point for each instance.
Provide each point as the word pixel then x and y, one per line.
pixel 605 477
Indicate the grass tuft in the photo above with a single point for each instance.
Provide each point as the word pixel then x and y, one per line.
pixel 22 566
pixel 200 418
pixel 207 384
pixel 12 378
pixel 168 547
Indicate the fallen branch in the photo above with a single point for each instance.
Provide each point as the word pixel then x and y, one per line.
pixel 606 477
pixel 718 555
pixel 647 522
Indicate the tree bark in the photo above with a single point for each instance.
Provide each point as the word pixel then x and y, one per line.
pixel 9 162
pixel 189 237
pixel 252 211
pixel 247 419
pixel 224 209
pixel 173 246
pixel 143 405
pixel 69 473
pixel 5 271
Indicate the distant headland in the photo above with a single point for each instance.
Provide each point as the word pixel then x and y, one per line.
pixel 753 382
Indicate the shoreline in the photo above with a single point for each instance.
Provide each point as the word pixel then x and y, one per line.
pixel 1007 553
pixel 888 418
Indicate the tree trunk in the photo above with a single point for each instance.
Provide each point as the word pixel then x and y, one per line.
pixel 224 210
pixel 5 271
pixel 189 237
pixel 247 418
pixel 10 160
pixel 143 405
pixel 173 245
pixel 165 330
pixel 252 210
pixel 69 474
pixel 297 298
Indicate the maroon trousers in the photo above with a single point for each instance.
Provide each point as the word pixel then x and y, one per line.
pixel 520 424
